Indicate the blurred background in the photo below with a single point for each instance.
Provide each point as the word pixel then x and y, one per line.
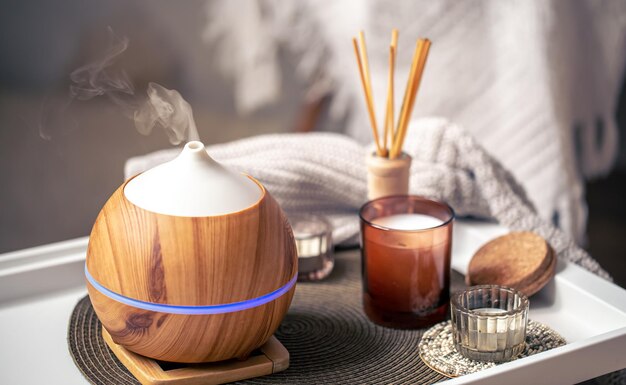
pixel 539 83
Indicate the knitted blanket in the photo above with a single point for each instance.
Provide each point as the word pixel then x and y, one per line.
pixel 325 173
pixel 537 81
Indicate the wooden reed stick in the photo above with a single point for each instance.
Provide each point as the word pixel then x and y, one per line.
pixel 405 104
pixel 418 64
pixel 364 58
pixel 389 112
pixel 394 45
pixel 370 94
pixel 394 39
pixel 389 118
pixel 364 72
pixel 421 64
pixel 423 48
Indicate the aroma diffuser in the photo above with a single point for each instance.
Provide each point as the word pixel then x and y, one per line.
pixel 191 262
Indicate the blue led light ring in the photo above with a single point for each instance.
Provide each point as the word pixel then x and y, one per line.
pixel 188 310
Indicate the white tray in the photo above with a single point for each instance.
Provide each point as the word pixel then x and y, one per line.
pixel 40 286
pixel 585 309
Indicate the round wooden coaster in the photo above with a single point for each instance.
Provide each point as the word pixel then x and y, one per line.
pixel 521 260
pixel 437 349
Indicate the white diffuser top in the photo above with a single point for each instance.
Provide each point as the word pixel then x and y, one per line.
pixel 192 185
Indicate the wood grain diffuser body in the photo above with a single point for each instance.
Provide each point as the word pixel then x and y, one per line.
pixel 191 262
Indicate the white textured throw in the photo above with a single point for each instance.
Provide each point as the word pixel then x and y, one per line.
pixel 325 173
pixel 536 81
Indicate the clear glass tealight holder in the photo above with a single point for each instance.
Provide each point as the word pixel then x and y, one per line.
pixel 313 236
pixel 489 322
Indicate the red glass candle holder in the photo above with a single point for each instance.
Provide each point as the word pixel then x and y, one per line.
pixel 406 245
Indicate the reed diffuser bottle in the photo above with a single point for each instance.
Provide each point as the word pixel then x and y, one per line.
pixel 388 166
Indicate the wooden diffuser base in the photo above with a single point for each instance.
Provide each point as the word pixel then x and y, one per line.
pixel 269 358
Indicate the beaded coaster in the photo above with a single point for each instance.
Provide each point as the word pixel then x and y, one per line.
pixel 437 349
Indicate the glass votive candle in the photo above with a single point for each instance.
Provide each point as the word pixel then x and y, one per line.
pixel 405 245
pixel 313 236
pixel 489 322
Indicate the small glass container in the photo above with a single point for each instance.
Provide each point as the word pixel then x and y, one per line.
pixel 489 322
pixel 313 235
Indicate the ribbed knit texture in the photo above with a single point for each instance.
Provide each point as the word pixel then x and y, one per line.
pixel 536 81
pixel 325 173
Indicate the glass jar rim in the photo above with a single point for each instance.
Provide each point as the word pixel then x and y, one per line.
pixel 456 304
pixel 409 197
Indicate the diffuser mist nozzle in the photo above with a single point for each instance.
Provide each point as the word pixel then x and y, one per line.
pixel 193 185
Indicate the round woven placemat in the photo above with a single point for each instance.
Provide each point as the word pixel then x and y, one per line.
pixel 329 338
pixel 437 349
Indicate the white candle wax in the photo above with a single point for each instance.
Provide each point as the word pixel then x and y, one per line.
pixel 491 333
pixel 408 222
pixel 490 310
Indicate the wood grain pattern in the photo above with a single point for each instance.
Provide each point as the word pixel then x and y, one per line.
pixel 189 338
pixel 196 261
pixel 272 358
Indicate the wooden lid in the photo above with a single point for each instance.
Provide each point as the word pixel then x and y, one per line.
pixel 521 260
